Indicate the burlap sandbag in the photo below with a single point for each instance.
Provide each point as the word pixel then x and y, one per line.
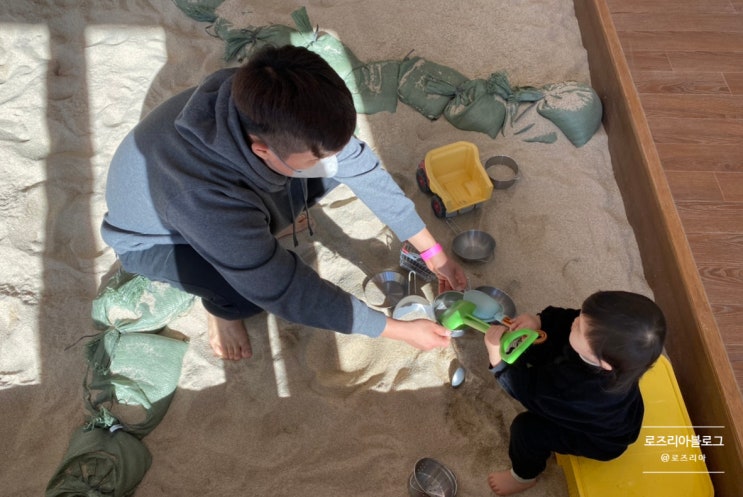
pixel 426 86
pixel 132 377
pixel 473 108
pixel 100 463
pixel 573 107
pixel 374 86
pixel 132 303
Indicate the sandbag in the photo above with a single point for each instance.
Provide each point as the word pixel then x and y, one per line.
pixel 374 86
pixel 131 379
pixel 201 10
pixel 335 53
pixel 498 84
pixel 133 303
pixel 573 107
pixel 474 109
pixel 330 48
pixel 133 366
pixel 426 86
pixel 99 462
pixel 242 42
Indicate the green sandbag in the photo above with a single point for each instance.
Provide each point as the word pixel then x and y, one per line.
pixel 573 107
pixel 374 86
pixel 331 49
pixel 199 10
pixel 498 84
pixel 133 303
pixel 426 86
pixel 132 377
pixel 474 109
pixel 241 43
pixel 335 53
pixel 100 463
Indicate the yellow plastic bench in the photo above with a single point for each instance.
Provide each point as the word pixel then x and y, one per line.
pixel 666 459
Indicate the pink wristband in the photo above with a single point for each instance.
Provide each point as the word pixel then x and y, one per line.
pixel 428 253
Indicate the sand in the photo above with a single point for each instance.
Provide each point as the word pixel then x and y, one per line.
pixel 313 412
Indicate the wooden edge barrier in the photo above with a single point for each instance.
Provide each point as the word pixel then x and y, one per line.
pixel 693 344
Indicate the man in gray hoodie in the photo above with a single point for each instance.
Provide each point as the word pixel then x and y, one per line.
pixel 198 191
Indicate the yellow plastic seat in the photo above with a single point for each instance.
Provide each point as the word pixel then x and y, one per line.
pixel 665 461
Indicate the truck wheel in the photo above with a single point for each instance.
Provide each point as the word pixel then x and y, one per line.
pixel 438 207
pixel 422 179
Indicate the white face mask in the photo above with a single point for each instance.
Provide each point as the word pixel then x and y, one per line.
pixel 325 168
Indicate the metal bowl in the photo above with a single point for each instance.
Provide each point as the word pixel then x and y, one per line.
pixel 430 478
pixel 505 300
pixel 474 246
pixel 413 307
pixel 413 489
pixel 385 289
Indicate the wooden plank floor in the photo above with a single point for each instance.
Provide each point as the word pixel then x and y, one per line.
pixel 686 59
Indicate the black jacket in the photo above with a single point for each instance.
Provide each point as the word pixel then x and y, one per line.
pixel 551 379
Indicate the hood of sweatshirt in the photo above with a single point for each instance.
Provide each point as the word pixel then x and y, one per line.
pixel 212 124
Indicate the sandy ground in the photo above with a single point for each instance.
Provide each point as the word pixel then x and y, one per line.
pixel 312 413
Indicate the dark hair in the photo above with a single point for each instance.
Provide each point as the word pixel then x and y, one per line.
pixel 627 330
pixel 293 100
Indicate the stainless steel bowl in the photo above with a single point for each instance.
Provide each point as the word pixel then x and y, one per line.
pixel 414 307
pixel 430 478
pixel 505 300
pixel 413 489
pixel 385 289
pixel 474 246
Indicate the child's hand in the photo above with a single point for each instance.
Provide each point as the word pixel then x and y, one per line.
pixel 527 321
pixel 492 343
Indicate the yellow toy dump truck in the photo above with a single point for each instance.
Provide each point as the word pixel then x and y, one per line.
pixel 456 178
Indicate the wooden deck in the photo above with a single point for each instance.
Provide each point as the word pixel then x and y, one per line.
pixel 686 59
pixel 670 74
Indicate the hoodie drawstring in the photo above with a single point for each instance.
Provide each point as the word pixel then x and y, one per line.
pixel 306 208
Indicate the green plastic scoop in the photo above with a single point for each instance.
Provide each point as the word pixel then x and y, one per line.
pixel 460 314
pixel 512 343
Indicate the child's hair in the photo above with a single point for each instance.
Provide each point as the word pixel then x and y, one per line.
pixel 627 330
pixel 294 101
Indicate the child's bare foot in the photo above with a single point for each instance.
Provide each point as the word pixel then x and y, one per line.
pixel 229 339
pixel 503 483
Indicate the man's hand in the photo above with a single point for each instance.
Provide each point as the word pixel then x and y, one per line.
pixel 420 333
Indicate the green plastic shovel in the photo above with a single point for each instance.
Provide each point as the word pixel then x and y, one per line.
pixel 460 315
pixel 512 343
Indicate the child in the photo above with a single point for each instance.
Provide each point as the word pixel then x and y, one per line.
pixel 580 387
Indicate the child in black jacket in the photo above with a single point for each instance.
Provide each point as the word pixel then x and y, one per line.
pixel 580 387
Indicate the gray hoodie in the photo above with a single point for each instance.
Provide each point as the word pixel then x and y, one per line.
pixel 186 175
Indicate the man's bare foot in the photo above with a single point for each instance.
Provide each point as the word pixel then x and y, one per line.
pixel 229 339
pixel 503 483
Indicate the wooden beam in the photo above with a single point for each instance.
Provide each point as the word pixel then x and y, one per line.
pixel 693 344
